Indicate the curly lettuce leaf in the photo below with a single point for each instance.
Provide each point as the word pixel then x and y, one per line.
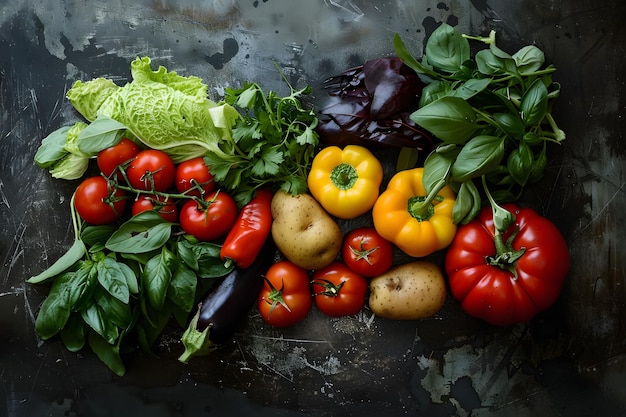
pixel 170 112
pixel 87 97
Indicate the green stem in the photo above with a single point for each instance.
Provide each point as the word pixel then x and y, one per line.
pixel 502 218
pixel 421 207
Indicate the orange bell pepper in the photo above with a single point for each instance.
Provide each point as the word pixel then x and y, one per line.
pixel 417 223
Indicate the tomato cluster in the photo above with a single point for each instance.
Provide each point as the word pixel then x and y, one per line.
pixel 183 193
pixel 289 292
pixel 338 289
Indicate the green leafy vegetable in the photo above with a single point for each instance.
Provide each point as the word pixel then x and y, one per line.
pixel 273 143
pixel 60 153
pixel 491 113
pixel 159 108
pixel 113 282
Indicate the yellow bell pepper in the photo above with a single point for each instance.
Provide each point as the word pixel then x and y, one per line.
pixel 346 182
pixel 417 223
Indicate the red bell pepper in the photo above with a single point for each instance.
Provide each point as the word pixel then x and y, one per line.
pixel 244 241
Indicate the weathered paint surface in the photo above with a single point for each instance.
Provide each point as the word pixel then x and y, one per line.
pixel 570 360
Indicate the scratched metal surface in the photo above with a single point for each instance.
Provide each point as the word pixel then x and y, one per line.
pixel 568 361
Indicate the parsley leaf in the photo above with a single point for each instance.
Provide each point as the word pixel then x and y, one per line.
pixel 273 142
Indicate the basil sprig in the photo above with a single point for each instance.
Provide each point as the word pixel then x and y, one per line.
pixel 492 113
pixel 116 281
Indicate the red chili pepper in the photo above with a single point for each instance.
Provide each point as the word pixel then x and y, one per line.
pixel 244 241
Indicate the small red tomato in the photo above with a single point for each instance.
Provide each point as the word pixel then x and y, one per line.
pixel 285 298
pixel 165 207
pixel 110 158
pixel 209 220
pixel 97 203
pixel 151 170
pixel 191 174
pixel 366 252
pixel 339 291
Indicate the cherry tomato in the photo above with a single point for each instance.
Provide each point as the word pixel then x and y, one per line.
pixel 151 170
pixel 192 172
pixel 96 203
pixel 366 252
pixel 285 298
pixel 507 279
pixel 109 159
pixel 165 207
pixel 209 220
pixel 339 291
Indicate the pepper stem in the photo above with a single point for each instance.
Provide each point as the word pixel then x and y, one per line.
pixel 344 176
pixel 421 207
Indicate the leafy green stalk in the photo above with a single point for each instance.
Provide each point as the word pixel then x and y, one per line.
pixel 117 281
pixel 491 113
pixel 273 143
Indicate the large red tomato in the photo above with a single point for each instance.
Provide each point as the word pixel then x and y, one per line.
pixel 366 252
pixel 192 174
pixel 151 170
pixel 110 158
pixel 97 202
pixel 338 290
pixel 510 280
pixel 285 298
pixel 211 219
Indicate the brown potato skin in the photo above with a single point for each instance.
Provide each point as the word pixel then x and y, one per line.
pixel 411 291
pixel 303 232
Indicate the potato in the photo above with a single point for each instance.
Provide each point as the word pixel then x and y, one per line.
pixel 411 291
pixel 304 233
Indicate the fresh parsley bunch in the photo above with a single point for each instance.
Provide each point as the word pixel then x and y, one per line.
pixel 273 143
pixel 491 111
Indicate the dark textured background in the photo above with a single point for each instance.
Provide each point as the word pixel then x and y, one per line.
pixel 570 360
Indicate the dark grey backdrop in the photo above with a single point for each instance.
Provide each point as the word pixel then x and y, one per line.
pixel 568 361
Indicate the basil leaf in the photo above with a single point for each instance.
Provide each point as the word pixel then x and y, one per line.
pixel 468 203
pixel 510 124
pixel 531 138
pixel 55 310
pixel 407 158
pixel 538 166
pixel 108 353
pixel 187 255
pixel 100 134
pixel 182 289
pixel 142 233
pixel 52 148
pixel 451 119
pixel 210 265
pixel 74 254
pixel 97 235
pixel 116 311
pixel 97 320
pixel 529 59
pixel 534 105
pixel 447 49
pixel 471 87
pixel 113 276
pixel 490 64
pixel 403 53
pixel 436 168
pixel 520 162
pixel 434 91
pixel 156 277
pixel 479 156
pixel 73 333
